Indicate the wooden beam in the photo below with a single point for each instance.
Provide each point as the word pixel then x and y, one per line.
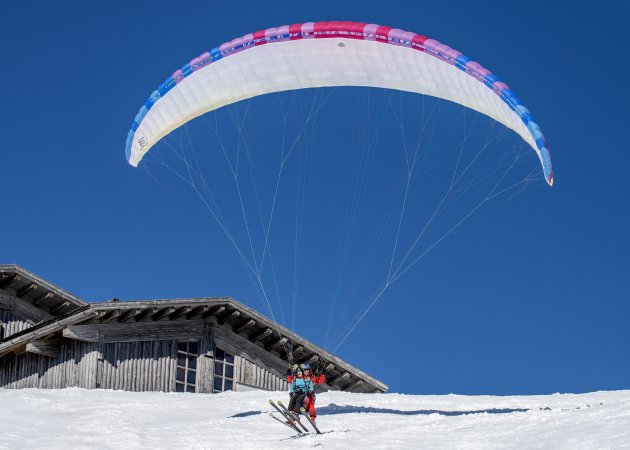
pixel 238 344
pixel 227 316
pixel 162 313
pixel 329 367
pixel 146 313
pixel 339 378
pixel 214 310
pixel 25 290
pixel 260 334
pixel 129 314
pixel 111 316
pixel 298 349
pixel 97 317
pixel 312 359
pixel 276 343
pixel 183 311
pixel 42 298
pixel 23 309
pixel 50 347
pixel 199 310
pixel 142 331
pixel 59 307
pixel 353 386
pixel 246 324
pixel 7 280
pixel 17 351
pixel 80 333
pixel 54 326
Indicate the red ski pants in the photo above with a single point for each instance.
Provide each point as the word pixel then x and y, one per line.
pixel 309 405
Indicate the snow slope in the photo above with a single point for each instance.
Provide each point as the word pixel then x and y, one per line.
pixel 77 418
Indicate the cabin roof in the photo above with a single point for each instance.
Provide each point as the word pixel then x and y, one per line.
pixel 248 323
pixel 40 300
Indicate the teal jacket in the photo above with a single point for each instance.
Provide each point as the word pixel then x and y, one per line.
pixel 301 385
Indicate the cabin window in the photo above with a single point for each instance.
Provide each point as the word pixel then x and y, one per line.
pixel 186 374
pixel 223 371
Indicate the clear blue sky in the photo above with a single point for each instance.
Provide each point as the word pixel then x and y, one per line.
pixel 531 297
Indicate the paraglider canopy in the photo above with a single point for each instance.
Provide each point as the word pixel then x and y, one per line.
pixel 326 54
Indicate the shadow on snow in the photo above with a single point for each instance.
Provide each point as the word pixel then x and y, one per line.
pixel 348 409
pixel 333 409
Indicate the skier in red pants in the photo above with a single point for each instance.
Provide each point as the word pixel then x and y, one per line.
pixel 316 378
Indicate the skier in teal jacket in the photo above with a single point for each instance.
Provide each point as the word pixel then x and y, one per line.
pixel 299 390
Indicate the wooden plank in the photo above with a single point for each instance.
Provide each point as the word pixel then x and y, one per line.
pixel 45 330
pixel 205 361
pixel 243 326
pixel 354 386
pixel 181 312
pixel 338 379
pixel 260 334
pixel 96 317
pixel 42 298
pixel 213 311
pixel 23 310
pixel 81 333
pixel 163 313
pixel 198 311
pixel 59 307
pixel 8 279
pixel 130 314
pixel 238 345
pixel 228 315
pixel 111 316
pixel 280 341
pixel 147 313
pixel 25 290
pixel 49 348
pixel 143 331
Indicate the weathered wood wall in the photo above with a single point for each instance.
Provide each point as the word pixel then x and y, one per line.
pixel 138 366
pixel 9 323
pixel 73 368
pixel 246 372
pixel 113 360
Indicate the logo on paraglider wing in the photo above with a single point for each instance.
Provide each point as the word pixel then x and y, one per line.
pixel 143 142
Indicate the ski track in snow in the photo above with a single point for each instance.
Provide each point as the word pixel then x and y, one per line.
pixel 79 418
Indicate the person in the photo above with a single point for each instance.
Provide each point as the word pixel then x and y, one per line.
pixel 317 377
pixel 300 388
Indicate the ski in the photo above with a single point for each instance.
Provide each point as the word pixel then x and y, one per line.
pixel 290 420
pixel 311 421
pixel 294 428
pixel 295 417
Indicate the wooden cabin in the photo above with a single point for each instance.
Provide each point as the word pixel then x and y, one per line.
pixel 51 339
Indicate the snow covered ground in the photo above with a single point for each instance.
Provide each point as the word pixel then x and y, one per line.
pixel 77 418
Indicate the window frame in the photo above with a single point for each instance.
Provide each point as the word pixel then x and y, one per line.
pixel 224 360
pixel 185 351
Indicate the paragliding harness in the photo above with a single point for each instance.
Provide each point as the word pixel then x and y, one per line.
pixel 299 385
pixel 300 388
